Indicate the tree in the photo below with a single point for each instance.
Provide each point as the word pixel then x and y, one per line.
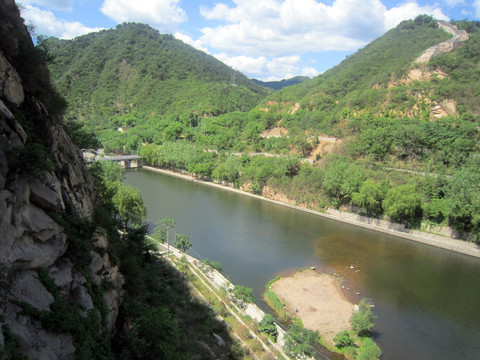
pixel 162 231
pixel 403 204
pixel 363 320
pixel 299 341
pixel 369 197
pixel 463 199
pixel 267 325
pixel 129 205
pixel 342 179
pixel 182 242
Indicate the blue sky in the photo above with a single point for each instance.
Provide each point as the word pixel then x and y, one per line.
pixel 264 39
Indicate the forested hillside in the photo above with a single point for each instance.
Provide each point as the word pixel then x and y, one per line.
pixel 132 74
pixel 381 133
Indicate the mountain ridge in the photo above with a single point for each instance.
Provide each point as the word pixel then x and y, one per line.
pixel 147 72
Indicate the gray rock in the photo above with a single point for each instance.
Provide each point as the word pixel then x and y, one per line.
pixel 10 83
pixel 61 273
pixel 27 288
pixel 45 197
pixel 84 299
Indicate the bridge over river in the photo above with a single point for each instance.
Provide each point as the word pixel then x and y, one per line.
pixel 125 161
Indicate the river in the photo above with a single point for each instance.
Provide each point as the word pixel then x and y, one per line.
pixel 427 299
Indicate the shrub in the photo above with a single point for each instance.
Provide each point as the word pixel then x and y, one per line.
pixel 243 294
pixel 214 264
pixel 267 326
pixel 363 321
pixel 343 339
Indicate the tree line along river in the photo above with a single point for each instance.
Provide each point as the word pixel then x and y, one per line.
pixel 426 299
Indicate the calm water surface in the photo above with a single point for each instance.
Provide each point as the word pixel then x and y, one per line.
pixel 427 299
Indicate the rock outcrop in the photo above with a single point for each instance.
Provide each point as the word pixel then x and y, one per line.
pixel 42 178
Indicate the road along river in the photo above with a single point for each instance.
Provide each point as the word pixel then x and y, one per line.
pixel 426 299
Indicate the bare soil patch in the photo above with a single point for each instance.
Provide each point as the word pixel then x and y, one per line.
pixel 320 303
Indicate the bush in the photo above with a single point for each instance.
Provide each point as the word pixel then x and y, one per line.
pixel 343 339
pixel 214 264
pixel 267 326
pixel 363 321
pixel 243 294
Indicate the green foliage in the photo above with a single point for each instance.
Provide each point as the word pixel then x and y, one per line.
pixel 299 341
pixel 182 242
pixel 369 197
pixel 66 316
pixel 363 320
pixel 402 203
pixel 79 232
pixel 342 179
pixel 213 264
pixel 31 159
pixel 10 348
pixel 436 210
pixel 369 350
pixel 343 339
pixel 150 72
pixel 243 294
pixel 159 318
pixel 267 325
pixel 129 205
pixel 463 200
pixel 83 136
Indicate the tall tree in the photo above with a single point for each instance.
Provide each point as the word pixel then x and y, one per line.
pixel 165 225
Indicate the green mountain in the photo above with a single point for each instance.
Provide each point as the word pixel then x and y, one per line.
pixel 390 106
pixel 391 131
pixel 133 68
pixel 277 85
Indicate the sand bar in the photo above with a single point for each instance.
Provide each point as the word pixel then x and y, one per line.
pixel 320 302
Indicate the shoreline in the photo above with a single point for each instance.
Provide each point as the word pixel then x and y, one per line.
pixel 447 243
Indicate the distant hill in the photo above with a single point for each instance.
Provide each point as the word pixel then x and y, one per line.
pixel 277 85
pixel 133 68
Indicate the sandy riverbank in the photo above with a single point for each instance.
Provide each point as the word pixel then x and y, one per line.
pixel 459 246
pixel 320 302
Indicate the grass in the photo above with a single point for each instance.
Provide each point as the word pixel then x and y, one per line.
pixel 274 302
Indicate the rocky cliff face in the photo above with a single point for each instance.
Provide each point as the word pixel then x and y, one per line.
pixel 43 179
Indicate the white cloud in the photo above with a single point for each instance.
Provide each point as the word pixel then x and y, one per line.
pixel 282 28
pixel 476 5
pixel 310 71
pixel 63 5
pixel 162 14
pixel 256 67
pixel 264 68
pixel 46 23
pixel 197 44
pixel 410 10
